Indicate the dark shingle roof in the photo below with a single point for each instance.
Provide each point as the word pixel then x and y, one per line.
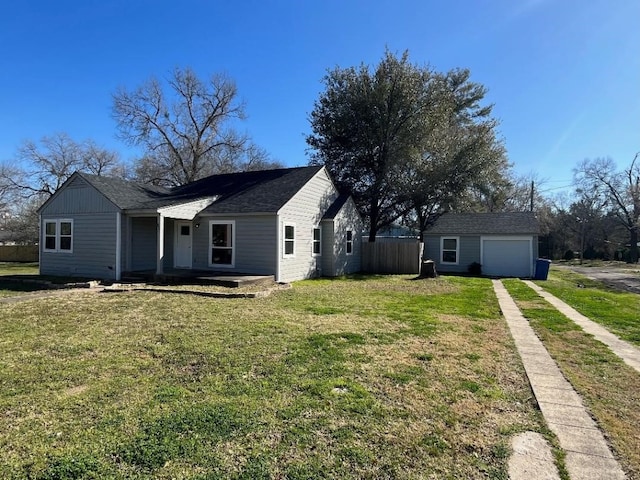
pixel 335 207
pixel 125 194
pixel 503 223
pixel 245 192
pixel 264 191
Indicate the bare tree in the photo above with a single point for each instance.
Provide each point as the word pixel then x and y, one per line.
pixel 622 188
pixel 185 129
pixel 40 168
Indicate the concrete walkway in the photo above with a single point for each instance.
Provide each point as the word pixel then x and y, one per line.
pixel 588 456
pixel 627 352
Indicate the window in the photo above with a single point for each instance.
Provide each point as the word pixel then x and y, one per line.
pixel 58 236
pixel 289 240
pixel 349 242
pixel 222 241
pixel 449 247
pixel 316 248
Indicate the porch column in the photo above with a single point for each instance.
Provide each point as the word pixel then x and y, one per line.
pixel 160 265
pixel 118 269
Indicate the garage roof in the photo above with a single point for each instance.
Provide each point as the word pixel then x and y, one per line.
pixel 502 223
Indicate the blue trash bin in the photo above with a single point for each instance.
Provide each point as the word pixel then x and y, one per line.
pixel 542 269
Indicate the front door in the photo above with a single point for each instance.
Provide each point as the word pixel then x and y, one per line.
pixel 182 246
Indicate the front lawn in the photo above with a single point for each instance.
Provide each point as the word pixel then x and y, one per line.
pixel 617 311
pixel 367 377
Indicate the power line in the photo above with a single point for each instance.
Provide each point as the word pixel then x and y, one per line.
pixel 555 188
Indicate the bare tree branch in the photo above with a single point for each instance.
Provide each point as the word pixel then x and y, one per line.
pixel 185 128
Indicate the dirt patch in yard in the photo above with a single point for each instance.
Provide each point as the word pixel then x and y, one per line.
pixel 626 279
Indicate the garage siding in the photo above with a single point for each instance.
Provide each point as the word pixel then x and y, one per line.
pixel 468 252
pixel 502 256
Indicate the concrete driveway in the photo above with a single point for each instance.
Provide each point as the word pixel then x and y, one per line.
pixel 625 278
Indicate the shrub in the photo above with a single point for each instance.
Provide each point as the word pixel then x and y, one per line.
pixel 475 269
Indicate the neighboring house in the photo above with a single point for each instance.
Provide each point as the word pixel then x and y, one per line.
pixel 394 233
pixel 290 223
pixel 505 244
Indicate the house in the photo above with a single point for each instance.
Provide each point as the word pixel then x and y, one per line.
pixel 504 244
pixel 394 233
pixel 290 223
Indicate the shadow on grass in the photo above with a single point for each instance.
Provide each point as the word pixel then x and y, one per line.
pixel 8 286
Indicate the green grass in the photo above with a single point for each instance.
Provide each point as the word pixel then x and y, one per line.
pixel 364 377
pixel 610 388
pixel 15 268
pixel 617 311
pixel 9 288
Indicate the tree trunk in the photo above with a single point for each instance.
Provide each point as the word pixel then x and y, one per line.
pixel 633 247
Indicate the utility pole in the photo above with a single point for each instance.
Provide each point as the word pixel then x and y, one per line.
pixel 532 190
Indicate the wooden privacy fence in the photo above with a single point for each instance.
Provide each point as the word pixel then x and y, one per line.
pixel 391 257
pixel 18 253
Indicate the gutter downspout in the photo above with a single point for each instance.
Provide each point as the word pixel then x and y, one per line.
pixel 40 243
pixel 278 247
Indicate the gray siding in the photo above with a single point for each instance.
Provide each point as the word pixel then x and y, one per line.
pixel 94 232
pixel 169 240
pixel 94 247
pixel 347 219
pixel 469 252
pixel 255 247
pixel 305 211
pixel 328 266
pixel 144 243
pixel 77 197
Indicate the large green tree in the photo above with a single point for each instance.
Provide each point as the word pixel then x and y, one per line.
pixel 365 125
pixel 460 163
pixel 405 140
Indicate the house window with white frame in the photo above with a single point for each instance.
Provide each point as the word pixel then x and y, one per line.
pixel 222 241
pixel 349 245
pixel 58 236
pixel 450 249
pixel 289 238
pixel 316 242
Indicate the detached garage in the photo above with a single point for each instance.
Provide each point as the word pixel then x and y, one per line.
pixel 504 244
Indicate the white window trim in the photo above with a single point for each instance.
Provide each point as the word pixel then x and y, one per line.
pixel 457 239
pixel 57 222
pixel 285 240
pixel 233 243
pixel 347 241
pixel 319 241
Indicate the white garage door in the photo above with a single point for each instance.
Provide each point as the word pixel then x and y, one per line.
pixel 507 257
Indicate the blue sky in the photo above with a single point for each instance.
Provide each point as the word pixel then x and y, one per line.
pixel 564 75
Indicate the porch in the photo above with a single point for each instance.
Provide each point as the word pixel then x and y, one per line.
pixel 199 277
